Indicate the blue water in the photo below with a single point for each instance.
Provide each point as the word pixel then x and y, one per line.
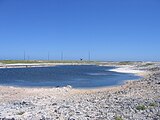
pixel 78 76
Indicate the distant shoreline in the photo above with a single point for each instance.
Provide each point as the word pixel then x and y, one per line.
pixel 23 65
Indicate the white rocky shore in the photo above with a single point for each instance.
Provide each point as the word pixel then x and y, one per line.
pixel 136 100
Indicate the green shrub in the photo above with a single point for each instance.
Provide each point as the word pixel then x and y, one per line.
pixel 140 107
pixel 153 104
pixel 118 118
pixel 20 113
pixel 147 64
pixel 125 63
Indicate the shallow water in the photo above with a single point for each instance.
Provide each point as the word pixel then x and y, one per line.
pixel 78 76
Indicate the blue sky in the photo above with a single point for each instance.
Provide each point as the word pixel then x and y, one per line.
pixel 109 29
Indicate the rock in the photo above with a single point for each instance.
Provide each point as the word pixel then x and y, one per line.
pixel 69 86
pixel 158 83
pixel 54 104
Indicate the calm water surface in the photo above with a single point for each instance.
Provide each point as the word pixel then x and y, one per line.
pixel 78 76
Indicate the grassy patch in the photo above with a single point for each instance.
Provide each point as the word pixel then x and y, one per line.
pixel 118 118
pixel 147 64
pixel 18 61
pixel 20 113
pixel 153 104
pixel 43 61
pixel 140 107
pixel 125 63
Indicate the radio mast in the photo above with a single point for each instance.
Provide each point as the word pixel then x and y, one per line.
pixel 24 55
pixel 89 56
pixel 61 56
pixel 48 56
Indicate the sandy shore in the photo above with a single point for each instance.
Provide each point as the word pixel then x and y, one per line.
pixel 135 100
pixel 127 69
pixel 26 65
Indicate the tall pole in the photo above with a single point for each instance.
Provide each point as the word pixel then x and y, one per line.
pixel 89 56
pixel 61 56
pixel 24 55
pixel 48 56
pixel 28 57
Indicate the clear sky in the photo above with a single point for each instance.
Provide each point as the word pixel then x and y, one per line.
pixel 109 29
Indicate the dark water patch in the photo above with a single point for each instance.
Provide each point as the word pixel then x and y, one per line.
pixel 78 76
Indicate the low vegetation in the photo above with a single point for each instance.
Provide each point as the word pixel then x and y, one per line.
pixel 18 61
pixel 42 61
pixel 147 64
pixel 118 118
pixel 125 63
pixel 141 107
pixel 20 113
pixel 153 104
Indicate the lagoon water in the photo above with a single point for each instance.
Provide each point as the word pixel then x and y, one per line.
pixel 78 76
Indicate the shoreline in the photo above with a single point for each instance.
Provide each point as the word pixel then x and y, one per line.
pixel 63 103
pixel 82 90
pixel 122 69
pixel 26 65
pixel 130 70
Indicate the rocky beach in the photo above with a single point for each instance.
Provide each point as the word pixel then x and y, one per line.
pixel 135 100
